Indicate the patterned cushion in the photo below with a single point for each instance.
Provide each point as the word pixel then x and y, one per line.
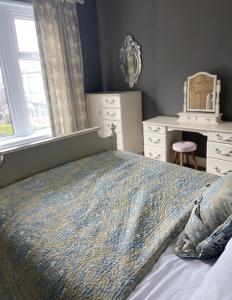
pixel 210 224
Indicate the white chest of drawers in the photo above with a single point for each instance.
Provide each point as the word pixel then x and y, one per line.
pixel 158 141
pixel 219 153
pixel 161 132
pixel 122 109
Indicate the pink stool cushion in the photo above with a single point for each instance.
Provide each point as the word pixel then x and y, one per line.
pixel 184 147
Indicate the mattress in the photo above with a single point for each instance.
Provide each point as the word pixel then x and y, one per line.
pixel 172 278
pixel 91 229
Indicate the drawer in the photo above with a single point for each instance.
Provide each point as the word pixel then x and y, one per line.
pixel 218 150
pixel 152 139
pixel 219 167
pixel 219 137
pixel 111 101
pixel 153 128
pixel 107 124
pixel 188 118
pixel 206 120
pixel 111 114
pixel 155 153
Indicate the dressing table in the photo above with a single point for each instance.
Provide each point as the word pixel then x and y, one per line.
pixel 201 115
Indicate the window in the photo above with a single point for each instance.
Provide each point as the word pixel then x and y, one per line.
pixel 23 106
pixel 6 128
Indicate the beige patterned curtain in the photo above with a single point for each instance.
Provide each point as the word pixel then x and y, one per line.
pixel 59 41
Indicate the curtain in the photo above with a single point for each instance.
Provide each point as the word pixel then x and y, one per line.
pixel 61 58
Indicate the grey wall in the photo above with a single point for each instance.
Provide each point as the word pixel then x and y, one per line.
pixel 178 38
pixel 88 24
pixel 117 18
pixel 192 36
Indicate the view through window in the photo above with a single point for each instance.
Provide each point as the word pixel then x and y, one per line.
pixel 24 110
pixel 6 128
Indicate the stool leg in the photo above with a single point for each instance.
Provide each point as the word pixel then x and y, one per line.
pixel 175 158
pixel 178 158
pixel 187 158
pixel 181 159
pixel 194 160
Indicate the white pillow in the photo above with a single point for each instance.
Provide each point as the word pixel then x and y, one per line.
pixel 217 284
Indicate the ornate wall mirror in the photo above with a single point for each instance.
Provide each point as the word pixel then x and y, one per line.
pixel 201 95
pixel 201 99
pixel 131 64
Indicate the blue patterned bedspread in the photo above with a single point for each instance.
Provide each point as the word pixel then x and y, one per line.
pixel 91 229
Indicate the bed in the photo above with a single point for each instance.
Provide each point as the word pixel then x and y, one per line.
pixel 91 226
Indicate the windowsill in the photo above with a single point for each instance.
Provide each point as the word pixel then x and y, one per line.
pixel 17 142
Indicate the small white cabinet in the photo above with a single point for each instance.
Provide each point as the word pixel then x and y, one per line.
pixel 158 140
pixel 124 111
pixel 219 153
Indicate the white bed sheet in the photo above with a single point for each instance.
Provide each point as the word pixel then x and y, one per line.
pixel 217 283
pixel 172 278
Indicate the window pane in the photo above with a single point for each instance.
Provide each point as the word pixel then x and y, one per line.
pixel 26 35
pixel 34 94
pixel 6 128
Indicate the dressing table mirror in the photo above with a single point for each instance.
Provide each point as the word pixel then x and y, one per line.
pixel 201 99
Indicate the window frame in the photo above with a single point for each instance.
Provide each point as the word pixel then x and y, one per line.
pixel 9 57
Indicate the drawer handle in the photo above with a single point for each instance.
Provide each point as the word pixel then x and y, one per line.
pixel 220 138
pixel 110 125
pixel 208 119
pixel 110 102
pixel 154 142
pixel 188 118
pixel 155 157
pixel 155 130
pixel 111 115
pixel 219 171
pixel 219 152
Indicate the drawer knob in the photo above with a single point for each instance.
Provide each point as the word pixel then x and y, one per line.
pixel 219 152
pixel 220 138
pixel 155 130
pixel 110 102
pixel 154 142
pixel 155 157
pixel 111 115
pixel 109 125
pixel 219 171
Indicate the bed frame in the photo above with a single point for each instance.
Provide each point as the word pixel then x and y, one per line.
pixel 20 163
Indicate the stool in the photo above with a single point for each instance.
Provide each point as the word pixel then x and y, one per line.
pixel 184 149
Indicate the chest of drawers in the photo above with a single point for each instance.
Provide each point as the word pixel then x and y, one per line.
pixel 124 111
pixel 219 153
pixel 158 141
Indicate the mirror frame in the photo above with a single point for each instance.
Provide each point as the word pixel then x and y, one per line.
pixel 131 46
pixel 214 92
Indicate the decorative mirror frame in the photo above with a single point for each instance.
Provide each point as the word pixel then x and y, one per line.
pixel 214 93
pixel 201 116
pixel 131 47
